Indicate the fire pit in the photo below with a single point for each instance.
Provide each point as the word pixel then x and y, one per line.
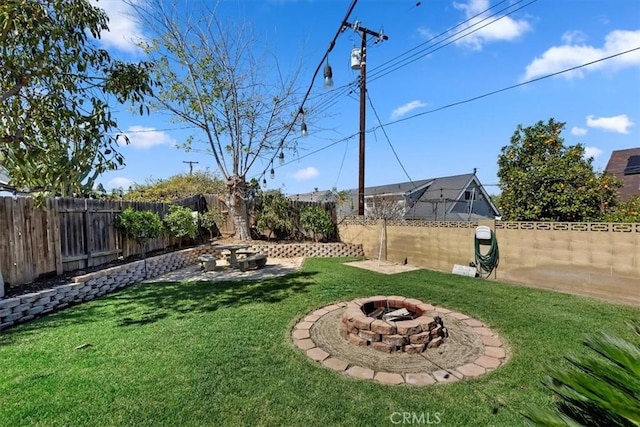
pixel 392 323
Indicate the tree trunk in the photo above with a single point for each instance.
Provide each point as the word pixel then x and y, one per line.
pixel 238 207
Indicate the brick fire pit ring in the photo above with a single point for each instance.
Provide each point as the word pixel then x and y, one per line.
pixel 470 350
pixel 423 329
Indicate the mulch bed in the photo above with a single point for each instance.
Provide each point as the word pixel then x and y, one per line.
pixel 50 281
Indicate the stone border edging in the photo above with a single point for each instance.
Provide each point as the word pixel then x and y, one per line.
pixel 494 355
pixel 26 307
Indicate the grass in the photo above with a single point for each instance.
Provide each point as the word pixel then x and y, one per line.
pixel 193 354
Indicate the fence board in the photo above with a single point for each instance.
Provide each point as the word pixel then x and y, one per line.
pixel 5 241
pixel 67 234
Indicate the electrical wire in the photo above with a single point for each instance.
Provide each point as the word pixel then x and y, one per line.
pixel 315 74
pixel 386 68
pixel 388 140
pixel 495 92
pixel 344 156
pixel 475 98
pixel 398 58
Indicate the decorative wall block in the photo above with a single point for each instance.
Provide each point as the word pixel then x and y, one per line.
pixel 89 286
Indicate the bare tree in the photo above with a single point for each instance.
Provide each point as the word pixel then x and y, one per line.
pixel 219 78
pixel 385 206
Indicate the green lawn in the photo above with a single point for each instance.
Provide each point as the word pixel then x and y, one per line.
pixel 220 354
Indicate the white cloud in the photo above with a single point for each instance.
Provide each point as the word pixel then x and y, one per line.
pixel 503 29
pixel 306 173
pixel 119 182
pixel 124 31
pixel 404 109
pixel 578 131
pixel 618 124
pixel 572 37
pixel 558 58
pixel 425 33
pixel 594 152
pixel 144 137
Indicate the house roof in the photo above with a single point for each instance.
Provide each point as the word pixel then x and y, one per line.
pixel 433 189
pixel 625 165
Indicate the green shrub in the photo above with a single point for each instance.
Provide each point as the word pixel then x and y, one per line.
pixel 211 219
pixel 628 211
pixel 598 389
pixel 275 213
pixel 318 221
pixel 139 225
pixel 180 222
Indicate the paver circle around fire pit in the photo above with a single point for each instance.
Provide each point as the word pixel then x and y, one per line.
pixel 397 340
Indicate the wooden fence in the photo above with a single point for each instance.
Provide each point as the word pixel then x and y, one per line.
pixel 68 234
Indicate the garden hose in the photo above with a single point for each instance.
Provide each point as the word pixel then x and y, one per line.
pixel 486 263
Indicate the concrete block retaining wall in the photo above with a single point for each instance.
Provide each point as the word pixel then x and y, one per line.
pixel 26 307
pixel 321 250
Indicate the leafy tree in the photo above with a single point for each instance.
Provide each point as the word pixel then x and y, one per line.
pixel 542 180
pixel 177 187
pixel 275 213
pixel 180 222
pixel 317 220
pixel 627 211
pixel 218 78
pixel 600 388
pixel 55 89
pixel 139 225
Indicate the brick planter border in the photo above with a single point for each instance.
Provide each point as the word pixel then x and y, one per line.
pixel 493 356
pixel 23 308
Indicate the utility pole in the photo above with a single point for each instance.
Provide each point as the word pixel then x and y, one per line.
pixel 190 166
pixel 363 93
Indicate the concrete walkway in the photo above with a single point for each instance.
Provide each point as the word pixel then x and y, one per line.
pixel 223 272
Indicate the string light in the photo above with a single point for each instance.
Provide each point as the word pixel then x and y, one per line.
pixel 328 75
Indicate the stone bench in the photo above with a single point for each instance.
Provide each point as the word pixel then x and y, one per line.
pixel 253 261
pixel 207 262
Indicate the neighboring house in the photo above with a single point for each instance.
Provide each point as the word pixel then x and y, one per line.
pixel 7 190
pixel 451 198
pixel 625 165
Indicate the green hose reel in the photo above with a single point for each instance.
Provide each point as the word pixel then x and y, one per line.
pixel 488 261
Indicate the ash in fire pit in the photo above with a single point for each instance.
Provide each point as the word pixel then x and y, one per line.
pixel 392 324
pixel 391 314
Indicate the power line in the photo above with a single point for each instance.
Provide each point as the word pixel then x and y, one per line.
pixel 335 95
pixel 315 74
pixel 475 98
pixel 388 140
pixel 383 70
pixel 344 156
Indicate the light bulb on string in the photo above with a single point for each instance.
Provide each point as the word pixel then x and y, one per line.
pixel 273 174
pixel 281 157
pixel 303 127
pixel 328 76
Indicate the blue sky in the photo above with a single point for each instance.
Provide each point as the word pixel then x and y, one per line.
pixel 419 122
